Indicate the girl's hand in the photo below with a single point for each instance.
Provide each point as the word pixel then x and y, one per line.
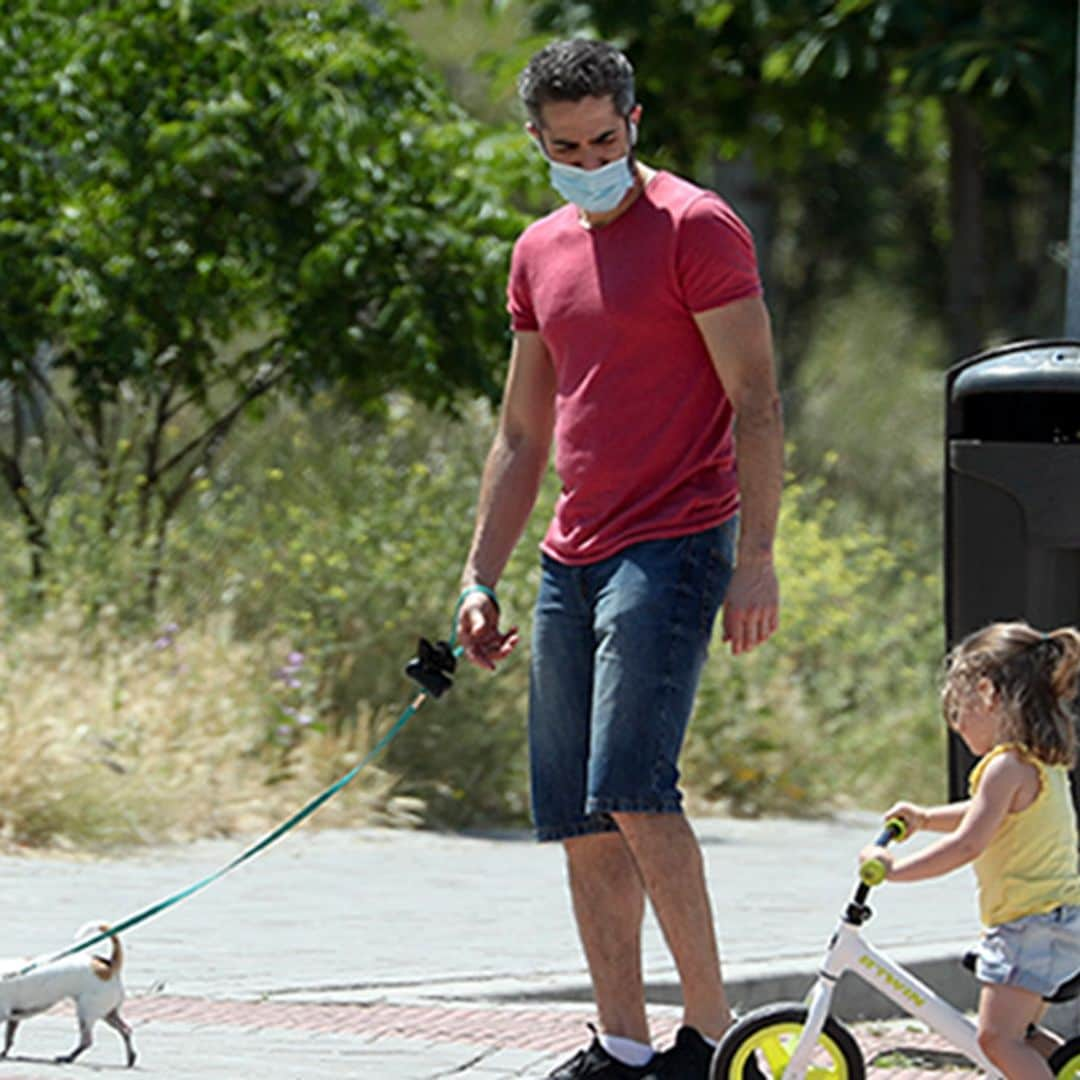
pixel 913 816
pixel 873 852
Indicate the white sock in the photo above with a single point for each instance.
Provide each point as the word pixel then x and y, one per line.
pixel 628 1051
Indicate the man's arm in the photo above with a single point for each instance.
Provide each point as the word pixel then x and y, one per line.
pixel 511 480
pixel 739 340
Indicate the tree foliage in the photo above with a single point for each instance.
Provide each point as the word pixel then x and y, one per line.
pixel 205 200
pixel 927 139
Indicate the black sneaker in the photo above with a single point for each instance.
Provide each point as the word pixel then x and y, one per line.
pixel 690 1059
pixel 596 1063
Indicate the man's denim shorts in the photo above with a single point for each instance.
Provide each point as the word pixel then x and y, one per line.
pixel 617 651
pixel 1036 953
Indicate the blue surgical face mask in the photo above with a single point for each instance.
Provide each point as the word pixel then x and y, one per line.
pixel 596 191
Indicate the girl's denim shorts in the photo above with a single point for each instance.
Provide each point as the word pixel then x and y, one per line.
pixel 617 651
pixel 1036 953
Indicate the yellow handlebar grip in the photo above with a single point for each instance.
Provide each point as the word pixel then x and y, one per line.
pixel 899 826
pixel 872 872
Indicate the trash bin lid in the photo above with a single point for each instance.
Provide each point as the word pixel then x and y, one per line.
pixel 1027 392
pixel 1033 368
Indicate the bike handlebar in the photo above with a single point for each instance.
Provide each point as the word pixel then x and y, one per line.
pixel 872 872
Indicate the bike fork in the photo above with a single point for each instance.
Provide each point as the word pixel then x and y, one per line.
pixel 817 1012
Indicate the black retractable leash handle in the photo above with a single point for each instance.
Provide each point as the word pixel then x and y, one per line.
pixel 433 666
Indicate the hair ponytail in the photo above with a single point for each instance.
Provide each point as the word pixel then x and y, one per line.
pixel 1065 672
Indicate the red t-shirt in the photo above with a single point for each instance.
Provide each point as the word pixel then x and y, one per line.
pixel 643 439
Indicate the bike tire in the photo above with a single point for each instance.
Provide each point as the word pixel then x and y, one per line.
pixel 766 1038
pixel 1065 1060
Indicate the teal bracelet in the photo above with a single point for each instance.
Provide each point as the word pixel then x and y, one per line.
pixel 470 589
pixel 465 593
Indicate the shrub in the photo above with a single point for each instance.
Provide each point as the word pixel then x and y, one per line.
pixel 109 740
pixel 300 578
pixel 840 707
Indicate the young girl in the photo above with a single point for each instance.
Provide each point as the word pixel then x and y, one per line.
pixel 1010 693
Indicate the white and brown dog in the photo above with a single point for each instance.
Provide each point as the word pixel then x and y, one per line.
pixel 92 982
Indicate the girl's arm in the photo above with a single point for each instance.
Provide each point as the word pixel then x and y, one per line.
pixel 981 818
pixel 943 818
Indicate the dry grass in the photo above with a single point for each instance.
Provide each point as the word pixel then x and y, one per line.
pixel 107 742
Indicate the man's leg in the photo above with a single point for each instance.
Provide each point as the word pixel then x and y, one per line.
pixel 668 857
pixel 654 616
pixel 609 906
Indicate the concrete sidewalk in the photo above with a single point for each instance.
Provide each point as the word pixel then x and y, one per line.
pixel 409 955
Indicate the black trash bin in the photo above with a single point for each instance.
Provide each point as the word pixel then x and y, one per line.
pixel 1012 497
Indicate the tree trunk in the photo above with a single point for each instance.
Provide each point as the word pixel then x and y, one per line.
pixel 966 299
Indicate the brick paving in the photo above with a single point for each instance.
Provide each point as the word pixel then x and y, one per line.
pixel 906 1053
pixel 544 1030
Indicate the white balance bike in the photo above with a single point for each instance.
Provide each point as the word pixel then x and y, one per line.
pixel 796 1040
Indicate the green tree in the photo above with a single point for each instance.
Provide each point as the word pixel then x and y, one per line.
pixel 206 201
pixel 997 78
pixel 923 138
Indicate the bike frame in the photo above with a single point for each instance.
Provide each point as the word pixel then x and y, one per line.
pixel 850 951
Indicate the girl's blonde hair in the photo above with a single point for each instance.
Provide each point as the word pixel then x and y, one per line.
pixel 1035 675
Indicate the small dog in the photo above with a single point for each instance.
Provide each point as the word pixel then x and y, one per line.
pixel 93 983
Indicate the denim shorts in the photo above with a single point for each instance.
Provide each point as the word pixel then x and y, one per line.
pixel 617 651
pixel 1036 953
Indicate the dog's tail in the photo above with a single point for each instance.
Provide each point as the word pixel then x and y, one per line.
pixel 105 968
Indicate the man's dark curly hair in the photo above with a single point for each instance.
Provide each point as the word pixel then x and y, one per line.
pixel 575 69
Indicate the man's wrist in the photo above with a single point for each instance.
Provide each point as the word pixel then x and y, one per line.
pixel 483 590
pixel 754 556
pixel 469 579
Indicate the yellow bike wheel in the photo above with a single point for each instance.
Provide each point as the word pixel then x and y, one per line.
pixel 1065 1061
pixel 764 1040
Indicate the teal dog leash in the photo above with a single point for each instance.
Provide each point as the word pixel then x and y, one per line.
pixel 432 669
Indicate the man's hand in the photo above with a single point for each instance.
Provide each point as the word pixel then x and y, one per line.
pixel 752 605
pixel 479 635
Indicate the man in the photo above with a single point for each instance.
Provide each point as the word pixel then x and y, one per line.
pixel 642 348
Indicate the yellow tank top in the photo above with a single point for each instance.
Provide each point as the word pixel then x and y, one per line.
pixel 1030 865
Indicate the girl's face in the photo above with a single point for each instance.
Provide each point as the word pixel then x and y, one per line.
pixel 973 712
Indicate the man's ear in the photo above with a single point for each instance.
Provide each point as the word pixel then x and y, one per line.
pixel 536 133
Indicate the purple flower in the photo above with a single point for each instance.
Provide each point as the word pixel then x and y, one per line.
pixel 288 671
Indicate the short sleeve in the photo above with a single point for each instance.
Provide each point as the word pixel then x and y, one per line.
pixel 715 260
pixel 519 295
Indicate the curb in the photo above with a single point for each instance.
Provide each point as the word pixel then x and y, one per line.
pixel 856 1001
